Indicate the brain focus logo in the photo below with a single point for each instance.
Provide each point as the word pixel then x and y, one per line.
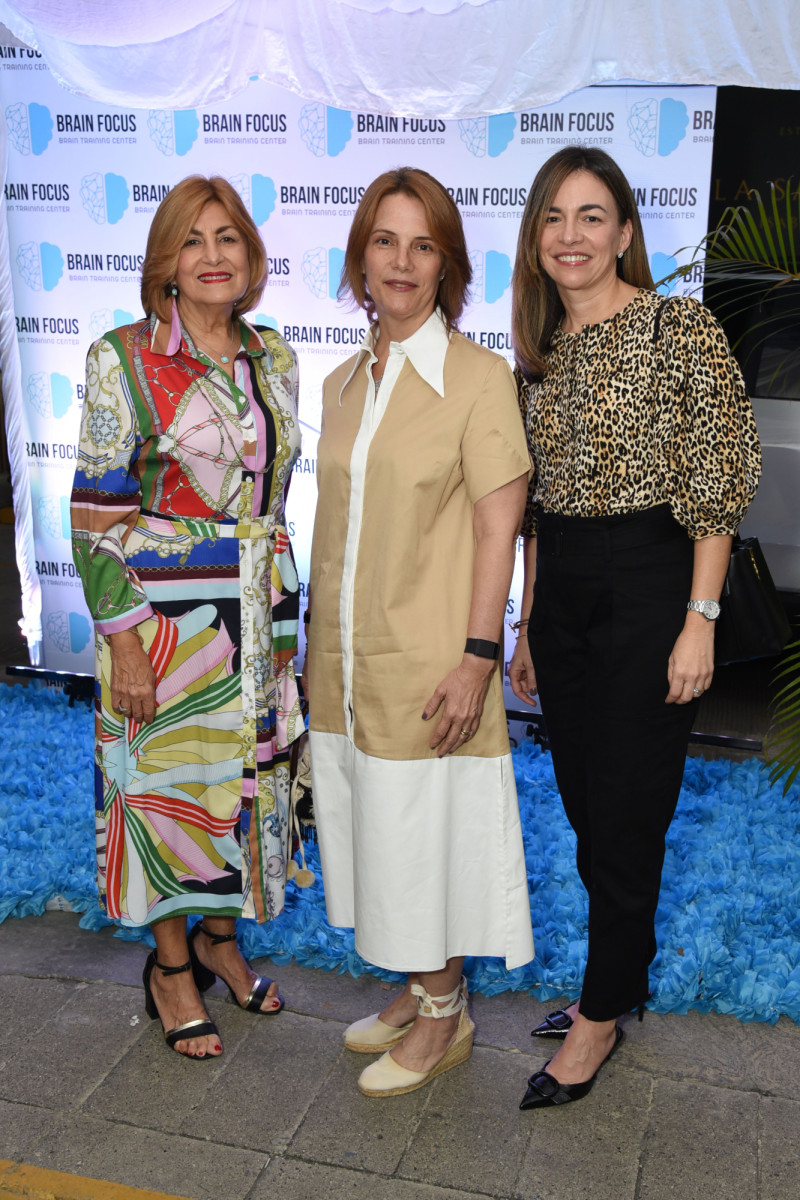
pixel 662 265
pixel 657 127
pixel 258 193
pixel 322 271
pixel 104 197
pixel 54 516
pixel 325 130
pixel 30 127
pixel 487 135
pixel 103 319
pixel 40 264
pixel 50 395
pixel 491 275
pixel 173 132
pixel 70 632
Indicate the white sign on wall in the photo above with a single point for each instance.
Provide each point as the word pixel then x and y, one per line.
pixel 84 180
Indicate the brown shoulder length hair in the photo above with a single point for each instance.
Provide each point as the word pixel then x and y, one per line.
pixel 444 227
pixel 536 308
pixel 175 216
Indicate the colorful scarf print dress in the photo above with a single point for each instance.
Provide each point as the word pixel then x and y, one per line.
pixel 179 532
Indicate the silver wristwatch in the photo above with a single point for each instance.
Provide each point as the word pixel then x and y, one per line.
pixel 709 608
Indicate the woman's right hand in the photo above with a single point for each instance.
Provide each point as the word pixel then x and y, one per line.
pixel 133 680
pixel 521 674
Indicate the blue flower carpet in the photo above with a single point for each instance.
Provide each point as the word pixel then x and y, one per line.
pixel 728 923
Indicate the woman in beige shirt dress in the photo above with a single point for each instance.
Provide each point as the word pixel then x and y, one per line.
pixel 422 472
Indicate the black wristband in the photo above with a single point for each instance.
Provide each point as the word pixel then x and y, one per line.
pixel 306 617
pixel 481 648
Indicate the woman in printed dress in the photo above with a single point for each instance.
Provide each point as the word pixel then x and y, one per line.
pixel 188 436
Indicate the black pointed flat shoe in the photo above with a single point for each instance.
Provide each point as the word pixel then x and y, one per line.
pixel 544 1090
pixel 555 1025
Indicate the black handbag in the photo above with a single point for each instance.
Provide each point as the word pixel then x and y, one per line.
pixel 752 622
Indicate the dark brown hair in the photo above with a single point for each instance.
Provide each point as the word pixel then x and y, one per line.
pixel 445 229
pixel 536 307
pixel 175 216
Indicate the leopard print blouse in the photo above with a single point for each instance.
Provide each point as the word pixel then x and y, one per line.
pixel 624 420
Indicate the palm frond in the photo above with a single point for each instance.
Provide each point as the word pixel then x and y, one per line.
pixel 784 748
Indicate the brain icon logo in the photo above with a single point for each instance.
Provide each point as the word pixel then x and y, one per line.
pixel 69 632
pixel 54 518
pixel 325 130
pixel 50 395
pixel 173 132
pixel 322 270
pixel 30 127
pixel 258 193
pixel 103 319
pixel 662 265
pixel 487 135
pixel 657 128
pixel 104 197
pixel 262 319
pixel 40 264
pixel 491 276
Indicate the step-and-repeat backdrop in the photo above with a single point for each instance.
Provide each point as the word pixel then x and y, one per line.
pixel 84 180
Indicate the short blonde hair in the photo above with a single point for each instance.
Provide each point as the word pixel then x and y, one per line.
pixel 446 229
pixel 175 216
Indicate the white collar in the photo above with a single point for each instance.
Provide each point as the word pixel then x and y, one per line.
pixel 426 349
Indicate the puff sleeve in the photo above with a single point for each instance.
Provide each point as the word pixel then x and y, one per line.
pixel 705 431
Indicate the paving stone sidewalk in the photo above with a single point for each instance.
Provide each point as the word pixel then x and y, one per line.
pixel 690 1106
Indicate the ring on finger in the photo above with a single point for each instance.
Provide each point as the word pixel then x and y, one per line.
pixel 465 733
pixel 697 691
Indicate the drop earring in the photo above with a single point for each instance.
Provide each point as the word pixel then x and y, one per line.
pixel 620 254
pixel 174 290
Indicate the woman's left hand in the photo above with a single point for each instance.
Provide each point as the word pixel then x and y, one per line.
pixel 691 664
pixel 463 693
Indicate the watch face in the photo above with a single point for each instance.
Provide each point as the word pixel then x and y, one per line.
pixel 710 610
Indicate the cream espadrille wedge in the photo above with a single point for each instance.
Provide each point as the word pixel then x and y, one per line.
pixel 387 1078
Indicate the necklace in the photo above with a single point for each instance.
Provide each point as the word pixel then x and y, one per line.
pixel 223 358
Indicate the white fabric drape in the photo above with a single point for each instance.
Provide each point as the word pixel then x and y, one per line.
pixel 436 58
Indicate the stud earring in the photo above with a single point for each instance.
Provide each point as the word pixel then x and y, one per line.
pixel 620 254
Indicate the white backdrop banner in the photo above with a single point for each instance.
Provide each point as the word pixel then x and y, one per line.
pixel 84 179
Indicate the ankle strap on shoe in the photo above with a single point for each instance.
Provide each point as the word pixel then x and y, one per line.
pixel 217 939
pixel 440 1006
pixel 187 966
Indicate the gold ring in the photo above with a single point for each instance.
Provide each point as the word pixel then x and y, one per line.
pixel 466 733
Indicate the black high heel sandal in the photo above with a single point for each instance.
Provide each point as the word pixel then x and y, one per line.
pixel 544 1090
pixel 200 1027
pixel 204 976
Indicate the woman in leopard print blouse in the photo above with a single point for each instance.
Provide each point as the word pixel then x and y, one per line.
pixel 646 458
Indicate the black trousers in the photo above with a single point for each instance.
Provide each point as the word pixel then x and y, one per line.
pixel 609 601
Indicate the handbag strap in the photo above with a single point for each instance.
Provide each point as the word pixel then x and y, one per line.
pixel 657 321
